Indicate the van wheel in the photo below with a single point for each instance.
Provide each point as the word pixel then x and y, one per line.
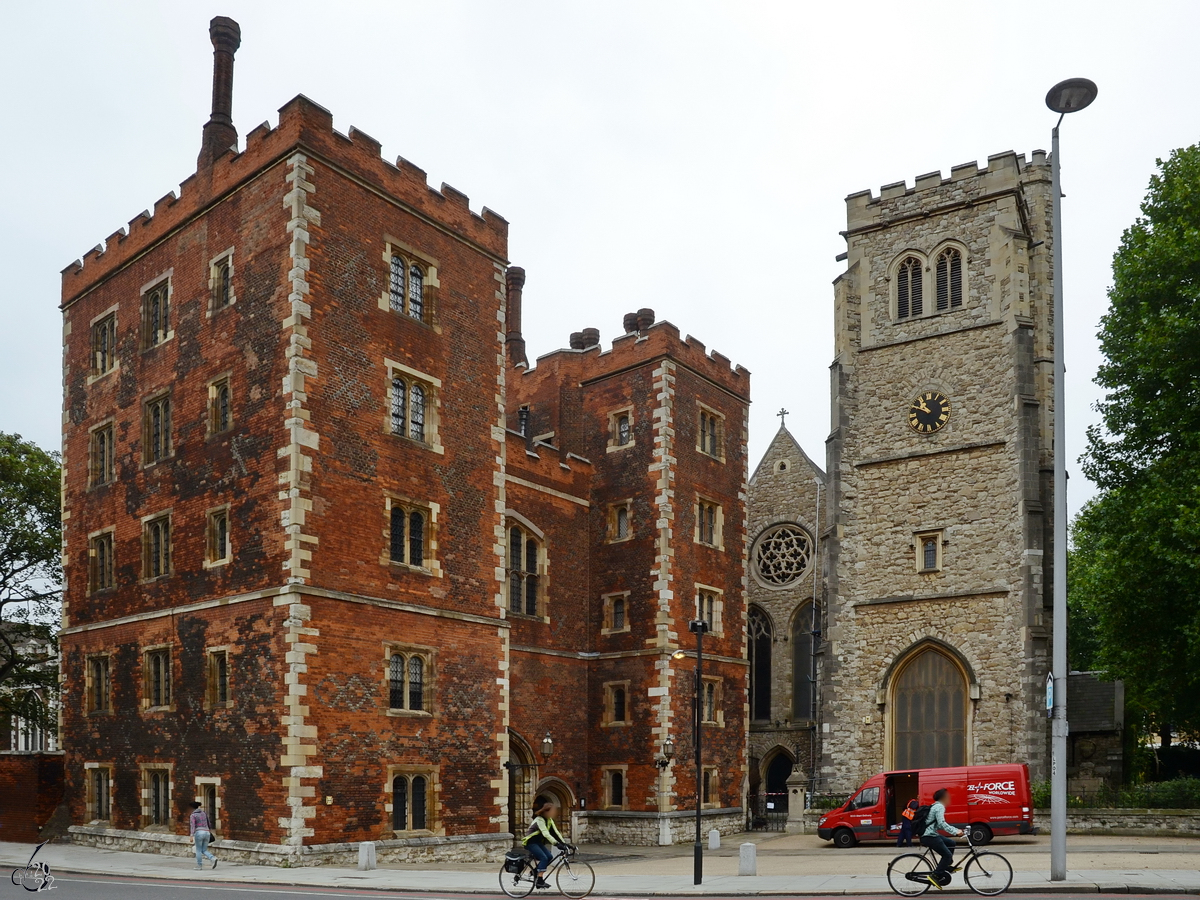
pixel 980 834
pixel 844 838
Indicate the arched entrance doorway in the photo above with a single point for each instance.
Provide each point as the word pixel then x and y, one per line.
pixel 929 712
pixel 769 803
pixel 554 789
pixel 522 776
pixel 778 771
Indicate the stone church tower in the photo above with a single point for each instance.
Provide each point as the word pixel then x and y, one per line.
pixel 940 463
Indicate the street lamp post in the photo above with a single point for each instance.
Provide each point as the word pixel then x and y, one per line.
pixel 698 627
pixel 1065 97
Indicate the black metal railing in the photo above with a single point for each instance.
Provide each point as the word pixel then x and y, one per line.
pixel 767 812
pixel 1182 793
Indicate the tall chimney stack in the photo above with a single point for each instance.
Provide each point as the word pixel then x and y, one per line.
pixel 219 133
pixel 514 282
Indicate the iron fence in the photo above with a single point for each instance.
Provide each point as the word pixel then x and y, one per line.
pixel 767 812
pixel 1181 793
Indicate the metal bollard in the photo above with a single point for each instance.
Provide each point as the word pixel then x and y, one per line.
pixel 748 859
pixel 714 840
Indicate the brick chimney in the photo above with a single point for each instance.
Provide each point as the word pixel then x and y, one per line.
pixel 514 282
pixel 219 133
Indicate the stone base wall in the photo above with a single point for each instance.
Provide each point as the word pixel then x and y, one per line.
pixel 1143 822
pixel 647 829
pixel 456 849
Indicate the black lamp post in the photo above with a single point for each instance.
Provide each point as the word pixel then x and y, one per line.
pixel 699 627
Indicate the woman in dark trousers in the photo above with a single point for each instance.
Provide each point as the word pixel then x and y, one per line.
pixel 542 835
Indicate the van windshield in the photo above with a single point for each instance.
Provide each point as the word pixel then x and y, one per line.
pixel 864 798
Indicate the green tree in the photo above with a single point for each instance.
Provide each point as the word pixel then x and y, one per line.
pixel 30 577
pixel 1137 545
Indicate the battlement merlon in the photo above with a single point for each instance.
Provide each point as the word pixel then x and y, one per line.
pixel 662 339
pixel 967 184
pixel 304 127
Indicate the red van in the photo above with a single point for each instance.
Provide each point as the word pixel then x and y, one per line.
pixel 989 799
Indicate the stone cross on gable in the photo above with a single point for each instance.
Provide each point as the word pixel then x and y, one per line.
pixel 782 413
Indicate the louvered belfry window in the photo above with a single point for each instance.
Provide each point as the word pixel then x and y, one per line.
pixel 909 290
pixel 949 279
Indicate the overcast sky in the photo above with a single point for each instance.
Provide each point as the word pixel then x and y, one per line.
pixel 691 157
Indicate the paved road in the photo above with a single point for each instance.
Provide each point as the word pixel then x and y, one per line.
pixel 94 887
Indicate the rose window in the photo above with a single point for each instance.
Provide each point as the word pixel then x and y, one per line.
pixel 783 554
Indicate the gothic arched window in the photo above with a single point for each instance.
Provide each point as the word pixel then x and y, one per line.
pixel 929 712
pixel 802 657
pixel 760 635
pixel 949 279
pixel 909 289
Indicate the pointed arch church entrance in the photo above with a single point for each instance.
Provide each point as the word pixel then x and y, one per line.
pixel 929 712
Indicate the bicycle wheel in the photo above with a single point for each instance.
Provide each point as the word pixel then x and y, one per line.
pixel 988 874
pixel 519 884
pixel 575 879
pixel 908 874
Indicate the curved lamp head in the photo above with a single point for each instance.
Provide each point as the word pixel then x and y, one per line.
pixel 1071 95
pixel 547 746
pixel 668 753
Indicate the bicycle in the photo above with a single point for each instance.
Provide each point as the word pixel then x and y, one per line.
pixel 574 878
pixel 987 873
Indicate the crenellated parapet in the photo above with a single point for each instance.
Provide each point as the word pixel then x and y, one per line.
pixel 306 126
pixel 660 339
pixel 968 184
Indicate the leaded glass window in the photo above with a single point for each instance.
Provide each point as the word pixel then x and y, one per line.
pixel 157 543
pixel 156 314
pixel 396 681
pixel 156 432
pixel 624 434
pixel 416 682
pixel 802 656
pixel 524 555
pixel 400 803
pixel 416 413
pixel 399 406
pixel 930 554
pixel 396 286
pixel 104 344
pixel 416 538
pixel 416 292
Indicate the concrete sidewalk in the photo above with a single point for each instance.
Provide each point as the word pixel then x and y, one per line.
pixel 622 872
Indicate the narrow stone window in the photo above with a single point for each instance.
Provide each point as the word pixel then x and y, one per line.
pixel 623 431
pixel 100 794
pixel 929 551
pixel 156 547
pixel 158 791
pixel 416 682
pixel 219 407
pixel 618 613
pixel 218 536
pixel 396 681
pixel 708 522
pixel 618 701
pixel 99 691
pixel 208 799
pixel 416 538
pixel 100 558
pixel 218 679
pixel 616 788
pixel 104 344
pixel 156 429
pixel 416 293
pixel 158 678
pixel 710 702
pixel 909 289
pixel 707 601
pixel 103 455
pixel 400 803
pixel 222 284
pixel 708 433
pixel 399 406
pixel 802 676
pixel 949 279
pixel 416 413
pixel 396 547
pixel 396 285
pixel 622 528
pixel 708 793
pixel 156 314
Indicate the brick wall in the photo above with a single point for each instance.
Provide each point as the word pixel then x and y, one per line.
pixel 32 787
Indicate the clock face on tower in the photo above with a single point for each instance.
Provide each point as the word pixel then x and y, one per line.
pixel 929 412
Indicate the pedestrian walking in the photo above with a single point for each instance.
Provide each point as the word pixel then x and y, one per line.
pixel 906 824
pixel 202 835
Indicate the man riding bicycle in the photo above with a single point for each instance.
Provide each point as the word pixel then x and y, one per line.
pixel 931 837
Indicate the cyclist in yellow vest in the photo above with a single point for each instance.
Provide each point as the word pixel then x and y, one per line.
pixel 543 834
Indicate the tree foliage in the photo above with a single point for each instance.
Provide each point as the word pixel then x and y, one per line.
pixel 30 577
pixel 1136 559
